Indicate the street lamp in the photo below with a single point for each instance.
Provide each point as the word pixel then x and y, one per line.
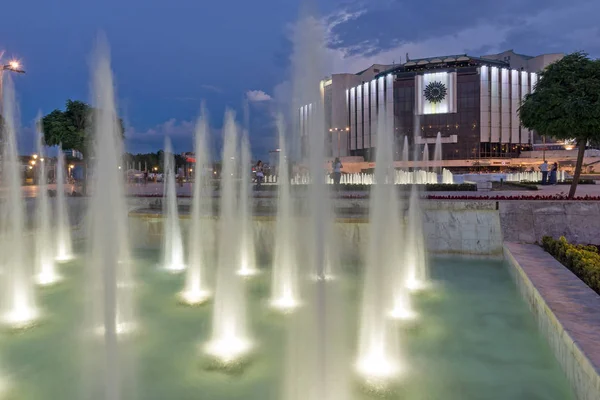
pixel 12 66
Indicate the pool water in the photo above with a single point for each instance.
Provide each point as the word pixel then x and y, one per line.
pixel 474 339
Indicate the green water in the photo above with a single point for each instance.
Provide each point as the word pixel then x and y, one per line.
pixel 474 339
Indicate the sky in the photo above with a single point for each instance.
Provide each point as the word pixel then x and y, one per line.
pixel 170 56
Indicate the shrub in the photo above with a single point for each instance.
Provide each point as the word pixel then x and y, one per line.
pixel 515 185
pixel 432 187
pixel 565 182
pixel 583 261
pixel 496 197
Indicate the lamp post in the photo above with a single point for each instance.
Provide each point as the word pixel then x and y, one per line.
pixel 12 66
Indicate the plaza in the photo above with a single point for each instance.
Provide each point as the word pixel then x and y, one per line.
pixel 400 245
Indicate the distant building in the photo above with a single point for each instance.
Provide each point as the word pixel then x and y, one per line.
pixel 72 153
pixel 471 101
pixel 523 62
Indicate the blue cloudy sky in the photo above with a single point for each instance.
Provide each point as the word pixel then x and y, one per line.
pixel 168 56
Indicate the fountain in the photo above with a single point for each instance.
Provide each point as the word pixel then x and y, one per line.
pixel 195 290
pixel 417 273
pixel 173 244
pixel 285 294
pixel 64 246
pixel 19 308
pixel 378 353
pixel 317 360
pixel 230 333
pixel 437 153
pixel 414 254
pixel 447 177
pixel 46 273
pixel 426 157
pixel 109 309
pixel 247 256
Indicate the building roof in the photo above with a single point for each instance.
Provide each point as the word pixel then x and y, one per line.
pixel 451 61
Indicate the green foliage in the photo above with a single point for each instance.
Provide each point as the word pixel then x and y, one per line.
pixel 435 187
pixel 566 104
pixel 566 182
pixel 583 261
pixel 72 128
pixel 514 186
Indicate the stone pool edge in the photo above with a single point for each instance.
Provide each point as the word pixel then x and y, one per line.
pixel 566 310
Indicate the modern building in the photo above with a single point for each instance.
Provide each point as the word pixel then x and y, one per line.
pixel 335 105
pixel 471 101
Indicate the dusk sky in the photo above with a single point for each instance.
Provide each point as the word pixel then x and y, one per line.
pixel 169 56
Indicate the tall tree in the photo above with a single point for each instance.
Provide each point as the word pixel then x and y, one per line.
pixel 72 128
pixel 566 104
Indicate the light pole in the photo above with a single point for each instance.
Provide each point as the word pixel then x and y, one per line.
pixel 12 66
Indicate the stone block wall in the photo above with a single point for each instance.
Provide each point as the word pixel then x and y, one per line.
pixel 529 221
pixel 462 228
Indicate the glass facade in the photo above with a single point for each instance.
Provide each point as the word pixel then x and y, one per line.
pixel 464 123
pixel 460 131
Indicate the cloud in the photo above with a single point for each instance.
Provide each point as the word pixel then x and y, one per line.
pixel 382 31
pixel 257 96
pixel 473 40
pixel 181 134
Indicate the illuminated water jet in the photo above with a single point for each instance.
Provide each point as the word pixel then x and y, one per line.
pixel 247 256
pixel 284 284
pixel 173 243
pixel 109 312
pixel 417 277
pixel 383 292
pixel 46 273
pixel 195 290
pixel 64 246
pixel 230 337
pixel 19 308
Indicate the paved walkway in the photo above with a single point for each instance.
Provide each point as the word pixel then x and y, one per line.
pixel 568 313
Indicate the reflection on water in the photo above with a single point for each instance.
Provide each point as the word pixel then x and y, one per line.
pixel 474 339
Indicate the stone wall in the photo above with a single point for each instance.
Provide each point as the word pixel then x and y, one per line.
pixel 459 227
pixel 462 227
pixel 465 228
pixel 529 221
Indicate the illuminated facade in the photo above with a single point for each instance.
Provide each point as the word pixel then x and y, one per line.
pixel 472 102
pixel 335 110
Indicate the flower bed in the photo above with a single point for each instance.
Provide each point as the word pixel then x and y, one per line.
pixel 525 197
pixel 583 261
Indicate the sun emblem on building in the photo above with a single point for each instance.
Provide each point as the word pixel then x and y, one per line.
pixel 435 92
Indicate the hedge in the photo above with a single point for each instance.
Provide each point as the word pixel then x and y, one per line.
pixel 565 182
pixel 432 187
pixel 517 185
pixel 583 261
